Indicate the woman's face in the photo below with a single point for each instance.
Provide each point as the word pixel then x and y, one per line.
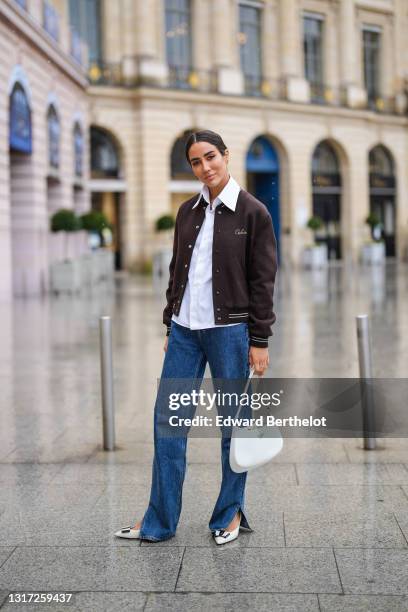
pixel 208 164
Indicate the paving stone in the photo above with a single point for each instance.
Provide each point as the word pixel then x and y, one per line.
pixel 272 570
pixel 95 473
pixel 378 529
pixel 352 473
pixel 91 568
pixel 27 474
pixel 5 552
pixel 402 520
pixel 326 499
pixel 3 597
pixel 387 451
pixel 91 602
pixel 136 453
pixel 49 497
pixel 373 571
pixel 363 603
pixel 230 602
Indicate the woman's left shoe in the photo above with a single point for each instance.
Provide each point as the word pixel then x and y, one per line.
pixel 221 536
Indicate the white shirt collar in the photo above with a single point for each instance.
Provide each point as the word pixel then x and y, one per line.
pixel 228 196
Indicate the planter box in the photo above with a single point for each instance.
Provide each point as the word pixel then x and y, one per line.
pixel 90 272
pixel 106 263
pixel 373 253
pixel 315 257
pixel 65 276
pixel 161 262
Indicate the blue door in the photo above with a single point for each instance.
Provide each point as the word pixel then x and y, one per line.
pixel 263 179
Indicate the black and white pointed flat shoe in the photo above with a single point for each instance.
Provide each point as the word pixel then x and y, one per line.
pixel 128 533
pixel 222 536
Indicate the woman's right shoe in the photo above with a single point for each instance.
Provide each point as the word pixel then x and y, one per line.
pixel 128 533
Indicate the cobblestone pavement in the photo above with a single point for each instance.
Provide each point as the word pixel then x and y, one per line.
pixel 330 519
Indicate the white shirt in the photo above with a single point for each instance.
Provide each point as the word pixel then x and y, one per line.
pixel 197 307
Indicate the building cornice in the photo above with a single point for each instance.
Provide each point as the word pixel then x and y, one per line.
pixel 98 94
pixel 34 34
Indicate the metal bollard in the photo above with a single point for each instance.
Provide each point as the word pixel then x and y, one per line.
pixel 108 409
pixel 366 375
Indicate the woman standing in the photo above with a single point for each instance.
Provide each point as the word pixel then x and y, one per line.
pixel 219 310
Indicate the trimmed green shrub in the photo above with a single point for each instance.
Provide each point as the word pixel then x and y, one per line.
pixel 94 221
pixel 165 222
pixel 65 220
pixel 315 224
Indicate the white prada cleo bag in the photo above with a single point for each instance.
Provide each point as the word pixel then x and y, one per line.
pixel 253 446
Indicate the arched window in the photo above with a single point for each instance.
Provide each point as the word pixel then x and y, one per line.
pixel 78 150
pixel 325 160
pixel 381 162
pixel 53 137
pixel 104 155
pixel 20 134
pixel 180 168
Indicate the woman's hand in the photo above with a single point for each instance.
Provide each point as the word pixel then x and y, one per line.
pixel 259 359
pixel 166 341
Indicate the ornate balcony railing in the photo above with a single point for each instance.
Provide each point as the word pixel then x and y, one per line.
pixel 50 20
pixel 107 73
pixel 117 74
pixel 184 77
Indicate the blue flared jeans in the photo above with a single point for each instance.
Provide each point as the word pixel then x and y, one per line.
pixel 226 350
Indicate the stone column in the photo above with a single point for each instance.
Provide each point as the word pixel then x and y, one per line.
pixel 350 46
pixel 270 50
pixel 297 88
pixel 35 10
pixel 151 67
pixel 225 47
pixel 201 50
pixel 400 56
pixel 129 40
pixel 111 19
pixel 64 33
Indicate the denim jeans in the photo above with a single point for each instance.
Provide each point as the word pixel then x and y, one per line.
pixel 226 351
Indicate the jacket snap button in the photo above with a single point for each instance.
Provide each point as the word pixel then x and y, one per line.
pixel 217 292
pixel 181 286
pixel 197 226
pixel 218 309
pixel 185 265
pixel 189 246
pixel 217 270
pixel 219 212
pixel 218 318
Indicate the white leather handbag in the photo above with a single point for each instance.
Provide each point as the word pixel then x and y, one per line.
pixel 253 446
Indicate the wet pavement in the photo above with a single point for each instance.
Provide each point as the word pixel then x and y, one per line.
pixel 330 519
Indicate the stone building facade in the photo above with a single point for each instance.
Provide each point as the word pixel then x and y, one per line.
pixel 309 95
pixel 43 137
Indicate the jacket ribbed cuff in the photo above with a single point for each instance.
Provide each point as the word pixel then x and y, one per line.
pixel 258 341
pixel 168 330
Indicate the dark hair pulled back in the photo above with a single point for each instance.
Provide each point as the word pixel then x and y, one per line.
pixel 205 136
